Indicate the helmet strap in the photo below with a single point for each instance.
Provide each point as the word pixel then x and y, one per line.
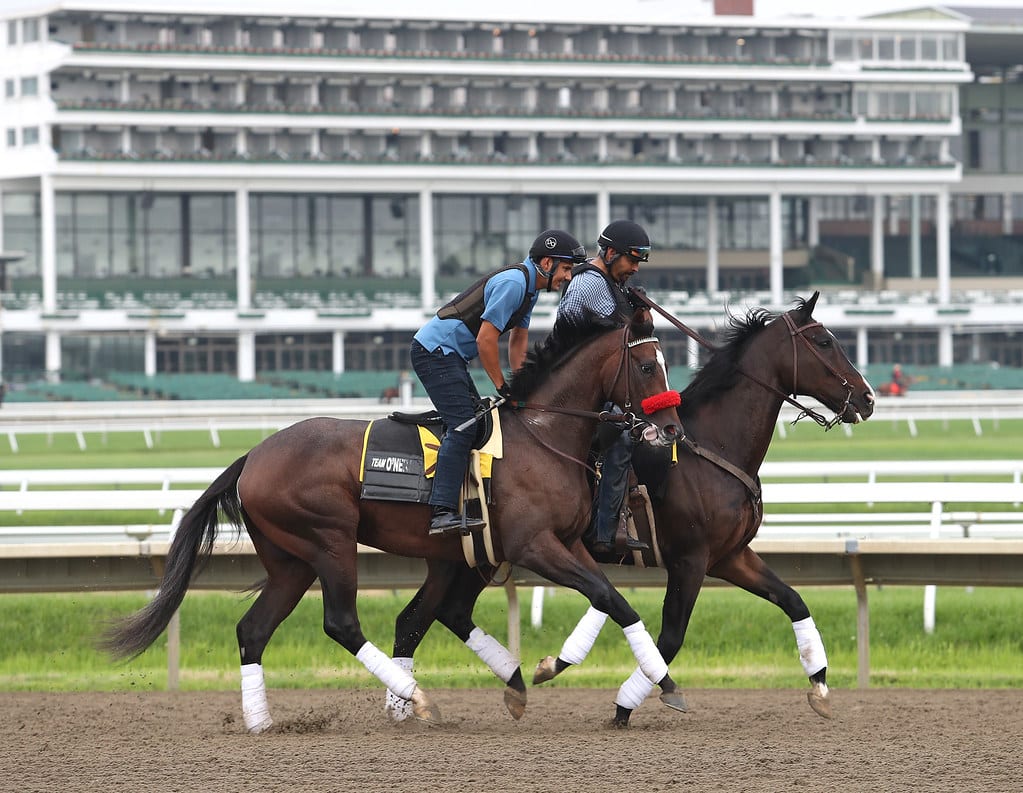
pixel 548 274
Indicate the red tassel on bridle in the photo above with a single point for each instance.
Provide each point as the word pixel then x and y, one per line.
pixel 666 399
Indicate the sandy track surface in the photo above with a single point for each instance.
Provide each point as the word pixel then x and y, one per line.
pixel 757 741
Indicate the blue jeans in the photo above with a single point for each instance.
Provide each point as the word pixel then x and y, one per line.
pixel 614 479
pixel 452 391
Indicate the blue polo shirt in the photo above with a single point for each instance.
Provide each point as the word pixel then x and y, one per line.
pixel 502 296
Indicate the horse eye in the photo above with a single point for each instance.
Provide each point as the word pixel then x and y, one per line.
pixel 647 368
pixel 825 342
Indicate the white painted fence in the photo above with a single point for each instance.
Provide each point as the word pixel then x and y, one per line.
pixel 41 559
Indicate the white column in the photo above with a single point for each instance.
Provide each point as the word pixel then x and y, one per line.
pixel 53 362
pixel 713 279
pixel 428 263
pixel 945 346
pixel 1 219
pixel 893 215
pixel 246 356
pixel 1006 214
pixel 914 236
pixel 862 350
pixel 941 230
pixel 604 212
pixel 150 353
pixel 48 263
pixel 813 222
pixel 877 241
pixel 338 352
pixel 692 354
pixel 243 279
pixel 777 271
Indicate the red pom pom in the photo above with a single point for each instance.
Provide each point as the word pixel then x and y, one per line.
pixel 667 399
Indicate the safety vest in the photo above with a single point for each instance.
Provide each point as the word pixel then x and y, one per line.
pixel 617 291
pixel 470 305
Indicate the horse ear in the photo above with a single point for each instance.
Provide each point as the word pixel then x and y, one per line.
pixel 809 305
pixel 642 323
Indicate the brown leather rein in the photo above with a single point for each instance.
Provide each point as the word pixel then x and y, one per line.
pixel 751 483
pixel 627 418
pixel 794 333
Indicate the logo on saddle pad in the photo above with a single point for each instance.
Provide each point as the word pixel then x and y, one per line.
pixel 391 464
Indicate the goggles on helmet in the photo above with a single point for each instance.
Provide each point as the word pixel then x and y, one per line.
pixel 578 255
pixel 640 253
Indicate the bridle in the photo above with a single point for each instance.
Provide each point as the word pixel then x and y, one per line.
pixel 627 418
pixel 794 333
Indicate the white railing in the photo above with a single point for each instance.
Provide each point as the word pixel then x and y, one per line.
pixel 153 417
pixel 979 547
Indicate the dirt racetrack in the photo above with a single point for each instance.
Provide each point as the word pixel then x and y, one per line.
pixel 757 741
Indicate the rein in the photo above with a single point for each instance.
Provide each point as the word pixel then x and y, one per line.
pixel 794 332
pixel 627 418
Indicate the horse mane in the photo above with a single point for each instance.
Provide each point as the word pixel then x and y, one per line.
pixel 721 372
pixel 547 356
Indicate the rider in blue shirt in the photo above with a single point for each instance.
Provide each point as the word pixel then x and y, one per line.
pixel 470 326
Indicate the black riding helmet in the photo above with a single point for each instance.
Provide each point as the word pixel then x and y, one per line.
pixel 557 244
pixel 626 237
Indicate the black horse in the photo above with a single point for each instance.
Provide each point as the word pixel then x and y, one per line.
pixel 709 509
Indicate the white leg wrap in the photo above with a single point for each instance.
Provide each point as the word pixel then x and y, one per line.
pixel 646 652
pixel 396 708
pixel 386 671
pixel 811 646
pixel 579 643
pixel 494 654
pixel 255 710
pixel 634 690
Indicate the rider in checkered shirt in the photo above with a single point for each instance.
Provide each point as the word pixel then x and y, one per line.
pixel 598 289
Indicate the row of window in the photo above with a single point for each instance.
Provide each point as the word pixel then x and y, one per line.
pixel 21 136
pixel 29 86
pixel 388 350
pixel 22 31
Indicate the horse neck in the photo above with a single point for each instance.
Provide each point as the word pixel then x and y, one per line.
pixel 739 423
pixel 573 386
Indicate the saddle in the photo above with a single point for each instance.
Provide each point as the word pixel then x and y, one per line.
pixel 399 458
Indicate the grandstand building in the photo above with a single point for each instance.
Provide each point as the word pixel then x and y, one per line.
pixel 210 187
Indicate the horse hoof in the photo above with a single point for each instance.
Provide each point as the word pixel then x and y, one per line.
pixel 546 670
pixel 675 700
pixel 397 710
pixel 260 726
pixel 423 709
pixel 617 724
pixel 819 700
pixel 515 701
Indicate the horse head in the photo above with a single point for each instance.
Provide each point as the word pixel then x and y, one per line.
pixel 818 367
pixel 641 380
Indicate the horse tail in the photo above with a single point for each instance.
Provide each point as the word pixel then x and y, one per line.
pixel 191 547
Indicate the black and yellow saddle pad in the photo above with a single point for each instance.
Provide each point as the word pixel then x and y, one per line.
pixel 398 460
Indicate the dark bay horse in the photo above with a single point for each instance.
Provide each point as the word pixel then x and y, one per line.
pixel 298 495
pixel 707 515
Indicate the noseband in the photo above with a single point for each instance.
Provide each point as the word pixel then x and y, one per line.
pixel 799 332
pixel 794 332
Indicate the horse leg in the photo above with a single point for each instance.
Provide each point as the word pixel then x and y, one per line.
pixel 575 649
pixel 748 571
pixel 336 569
pixel 685 578
pixel 455 613
pixel 288 578
pixel 574 567
pixel 449 595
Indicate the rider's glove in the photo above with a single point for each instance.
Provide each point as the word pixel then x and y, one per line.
pixel 504 390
